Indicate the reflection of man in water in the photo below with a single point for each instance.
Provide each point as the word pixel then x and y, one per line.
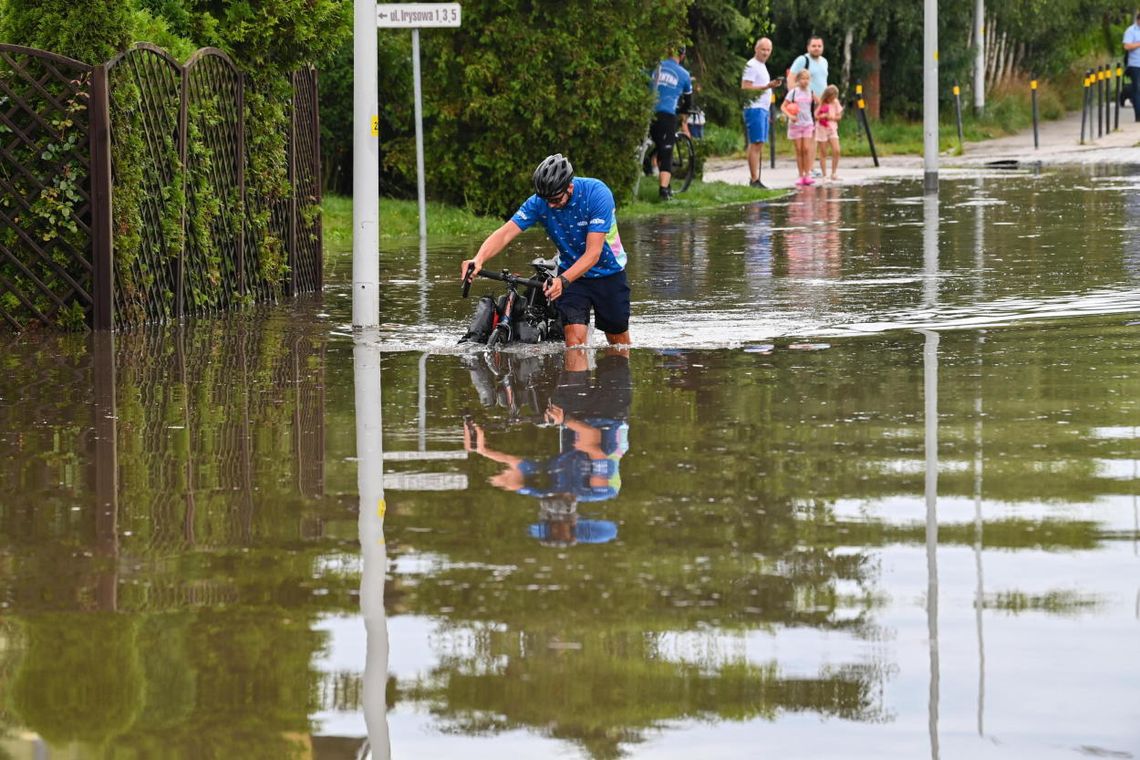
pixel 592 412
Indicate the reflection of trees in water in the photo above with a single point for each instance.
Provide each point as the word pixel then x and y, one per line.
pixel 204 413
pixel 729 528
pixel 602 691
pixel 217 441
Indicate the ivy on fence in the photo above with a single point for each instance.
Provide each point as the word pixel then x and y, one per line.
pixel 206 214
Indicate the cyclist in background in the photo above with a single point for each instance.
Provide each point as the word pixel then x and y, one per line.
pixel 671 81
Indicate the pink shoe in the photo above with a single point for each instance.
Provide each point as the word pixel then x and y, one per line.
pixel 808 181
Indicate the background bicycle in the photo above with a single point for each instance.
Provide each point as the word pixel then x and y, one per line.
pixel 684 162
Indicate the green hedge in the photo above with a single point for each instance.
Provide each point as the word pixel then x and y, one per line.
pixel 520 80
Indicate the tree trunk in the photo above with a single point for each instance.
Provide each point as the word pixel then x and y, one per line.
pixel 871 89
pixel 845 79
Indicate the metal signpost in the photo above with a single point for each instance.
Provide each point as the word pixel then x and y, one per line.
pixel 414 16
pixel 365 170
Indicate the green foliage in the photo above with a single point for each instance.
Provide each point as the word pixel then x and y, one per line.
pixel 723 33
pixel 726 140
pixel 268 41
pixel 81 679
pixel 519 81
pixel 44 179
pixel 394 56
pixel 87 30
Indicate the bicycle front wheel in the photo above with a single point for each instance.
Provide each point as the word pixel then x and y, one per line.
pixel 684 163
pixel 644 164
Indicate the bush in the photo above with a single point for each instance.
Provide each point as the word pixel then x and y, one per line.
pixel 521 80
pixel 723 141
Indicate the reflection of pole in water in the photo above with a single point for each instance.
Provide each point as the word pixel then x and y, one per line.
pixel 423 279
pixel 979 594
pixel 930 250
pixel 374 553
pixel 979 238
pixel 930 388
pixel 423 401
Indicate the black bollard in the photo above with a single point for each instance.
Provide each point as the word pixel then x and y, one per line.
pixel 1107 98
pixel 958 114
pixel 1099 85
pixel 1119 76
pixel 862 106
pixel 1033 91
pixel 1085 106
pixel 772 136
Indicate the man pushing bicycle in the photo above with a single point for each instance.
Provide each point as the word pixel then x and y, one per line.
pixel 579 217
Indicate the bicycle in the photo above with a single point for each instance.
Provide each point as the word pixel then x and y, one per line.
pixel 684 162
pixel 523 314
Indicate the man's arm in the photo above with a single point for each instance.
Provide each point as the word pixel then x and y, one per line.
pixel 491 247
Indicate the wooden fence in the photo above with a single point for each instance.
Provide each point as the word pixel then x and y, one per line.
pixel 196 222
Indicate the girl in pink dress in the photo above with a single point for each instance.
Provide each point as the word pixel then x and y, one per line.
pixel 797 106
pixel 827 116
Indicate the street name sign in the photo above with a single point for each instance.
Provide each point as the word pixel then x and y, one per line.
pixel 417 15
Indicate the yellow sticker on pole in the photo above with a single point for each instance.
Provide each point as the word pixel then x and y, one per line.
pixel 957 92
pixel 861 104
pixel 936 56
pixel 381 508
pixel 375 126
pixel 858 89
pixel 1033 84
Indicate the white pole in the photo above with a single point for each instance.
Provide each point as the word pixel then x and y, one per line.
pixel 979 56
pixel 930 96
pixel 373 550
pixel 930 397
pixel 365 169
pixel 419 131
pixel 930 391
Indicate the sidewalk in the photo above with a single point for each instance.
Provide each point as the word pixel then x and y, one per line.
pixel 1059 143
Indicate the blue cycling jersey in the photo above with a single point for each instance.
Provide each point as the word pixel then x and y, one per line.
pixel 590 209
pixel 671 81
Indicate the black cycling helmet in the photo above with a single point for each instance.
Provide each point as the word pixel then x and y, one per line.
pixel 552 177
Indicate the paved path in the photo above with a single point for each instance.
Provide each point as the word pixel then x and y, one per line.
pixel 1059 144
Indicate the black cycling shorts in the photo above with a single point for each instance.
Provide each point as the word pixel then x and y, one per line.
pixel 663 131
pixel 608 296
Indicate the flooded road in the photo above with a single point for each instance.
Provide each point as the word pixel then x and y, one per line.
pixel 867 485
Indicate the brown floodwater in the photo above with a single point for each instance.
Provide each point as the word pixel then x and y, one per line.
pixel 866 486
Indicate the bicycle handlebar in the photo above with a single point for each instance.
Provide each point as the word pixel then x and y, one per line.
pixel 503 276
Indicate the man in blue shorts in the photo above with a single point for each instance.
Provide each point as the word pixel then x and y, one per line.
pixel 756 83
pixel 671 81
pixel 1132 64
pixel 578 216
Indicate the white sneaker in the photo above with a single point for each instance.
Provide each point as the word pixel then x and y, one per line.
pixel 816 173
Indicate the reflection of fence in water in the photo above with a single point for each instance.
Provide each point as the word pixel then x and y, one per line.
pixel 340 691
pixel 212 427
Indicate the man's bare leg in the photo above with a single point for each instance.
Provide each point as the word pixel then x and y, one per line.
pixel 754 153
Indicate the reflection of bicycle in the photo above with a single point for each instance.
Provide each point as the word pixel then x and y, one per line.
pixel 684 162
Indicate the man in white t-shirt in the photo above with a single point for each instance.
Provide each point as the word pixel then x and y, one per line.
pixel 1132 62
pixel 757 83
